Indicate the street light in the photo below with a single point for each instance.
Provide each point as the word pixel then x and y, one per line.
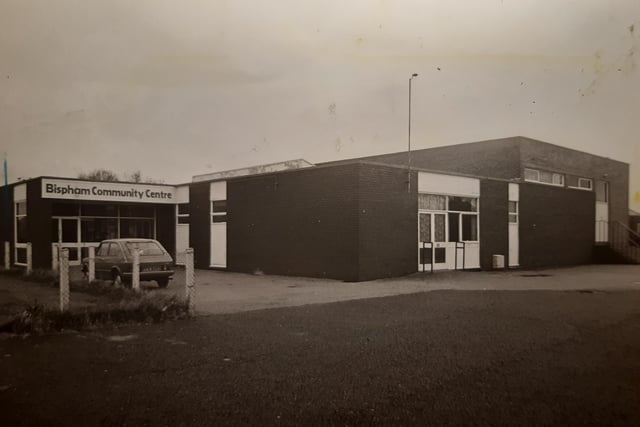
pixel 409 145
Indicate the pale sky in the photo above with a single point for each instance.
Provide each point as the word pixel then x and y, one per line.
pixel 178 88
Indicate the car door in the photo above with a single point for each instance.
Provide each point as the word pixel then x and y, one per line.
pixel 102 254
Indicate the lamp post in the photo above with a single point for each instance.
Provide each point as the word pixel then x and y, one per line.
pixel 409 134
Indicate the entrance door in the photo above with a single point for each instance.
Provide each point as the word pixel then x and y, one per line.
pixel 219 244
pixel 432 246
pixel 602 211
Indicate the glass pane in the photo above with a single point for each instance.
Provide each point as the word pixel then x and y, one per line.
pixel 425 227
pixel 98 229
pixel 114 250
pixel 469 227
pixel 513 218
pixel 103 249
pixel 137 211
pixel 65 209
pixel 585 183
pixel 465 204
pixel 432 202
pixel 531 175
pixel 21 255
pixel 218 218
pixel 147 248
pixel 454 227
pixel 439 227
pixel 218 206
pixel 183 208
pixel 73 254
pixel 558 179
pixel 513 207
pixel 21 208
pixel 183 219
pixel 142 228
pixel 70 230
pixel 99 210
pixel 440 255
pixel 21 236
pixel 546 177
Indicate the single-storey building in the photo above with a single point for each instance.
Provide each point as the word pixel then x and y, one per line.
pixel 454 207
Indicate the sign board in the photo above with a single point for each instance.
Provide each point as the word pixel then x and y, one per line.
pixel 107 191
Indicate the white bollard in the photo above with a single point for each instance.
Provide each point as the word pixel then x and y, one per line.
pixel 29 259
pixel 135 272
pixel 92 264
pixel 64 279
pixel 7 255
pixel 55 256
pixel 190 281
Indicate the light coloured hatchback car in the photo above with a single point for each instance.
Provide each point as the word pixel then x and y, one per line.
pixel 114 260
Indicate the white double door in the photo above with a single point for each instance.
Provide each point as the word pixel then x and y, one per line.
pixel 434 247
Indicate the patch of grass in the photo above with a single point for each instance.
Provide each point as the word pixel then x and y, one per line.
pixel 146 307
pixel 104 288
pixel 39 275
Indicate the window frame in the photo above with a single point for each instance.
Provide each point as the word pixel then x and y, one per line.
pixel 539 181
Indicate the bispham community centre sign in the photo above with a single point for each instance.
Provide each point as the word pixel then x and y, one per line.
pixel 106 191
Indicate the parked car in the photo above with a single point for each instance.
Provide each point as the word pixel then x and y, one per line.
pixel 114 259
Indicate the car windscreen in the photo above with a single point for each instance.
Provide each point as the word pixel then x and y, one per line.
pixel 147 248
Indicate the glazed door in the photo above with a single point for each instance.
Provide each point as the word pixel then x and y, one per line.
pixel 432 245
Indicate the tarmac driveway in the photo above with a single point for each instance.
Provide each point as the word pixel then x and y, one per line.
pixel 225 292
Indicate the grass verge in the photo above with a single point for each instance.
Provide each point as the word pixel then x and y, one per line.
pixel 145 307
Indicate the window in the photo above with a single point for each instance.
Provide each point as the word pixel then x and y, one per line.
pixel 545 177
pixel 183 213
pixel 513 212
pixel 469 228
pixel 602 191
pixel 219 211
pixel 114 250
pixel 432 202
pixel 585 183
pixel 439 231
pixel 425 227
pixel 463 204
pixel 147 248
pixel 454 226
pixel 103 249
pixel 21 222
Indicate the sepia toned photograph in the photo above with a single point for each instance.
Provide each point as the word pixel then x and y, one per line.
pixel 320 213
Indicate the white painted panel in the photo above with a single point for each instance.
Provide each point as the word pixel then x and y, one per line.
pixel 106 191
pixel 602 222
pixel 514 245
pixel 182 194
pixel 218 190
pixel 182 242
pixel 219 244
pixel 20 192
pixel 514 192
pixel 448 184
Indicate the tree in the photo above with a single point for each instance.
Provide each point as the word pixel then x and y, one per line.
pixel 100 175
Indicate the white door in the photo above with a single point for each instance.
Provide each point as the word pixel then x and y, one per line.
pixel 514 222
pixel 432 245
pixel 602 211
pixel 219 244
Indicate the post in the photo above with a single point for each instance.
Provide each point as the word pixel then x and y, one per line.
pixel 64 279
pixel 55 256
pixel 7 255
pixel 29 259
pixel 92 264
pixel 190 281
pixel 135 272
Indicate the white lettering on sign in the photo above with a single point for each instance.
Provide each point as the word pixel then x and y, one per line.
pixel 107 191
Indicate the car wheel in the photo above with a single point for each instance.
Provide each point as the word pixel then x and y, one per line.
pixel 116 278
pixel 163 283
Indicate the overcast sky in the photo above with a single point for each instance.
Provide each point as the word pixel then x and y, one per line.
pixel 177 88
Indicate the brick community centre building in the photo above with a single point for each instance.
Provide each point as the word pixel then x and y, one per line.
pixel 454 207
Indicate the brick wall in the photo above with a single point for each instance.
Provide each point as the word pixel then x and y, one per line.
pixel 557 226
pixel 388 218
pixel 166 227
pixel 538 154
pixel 494 226
pixel 300 223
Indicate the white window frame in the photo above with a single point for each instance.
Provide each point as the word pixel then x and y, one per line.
pixel 515 214
pixel 16 244
pixel 538 181
pixel 182 215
